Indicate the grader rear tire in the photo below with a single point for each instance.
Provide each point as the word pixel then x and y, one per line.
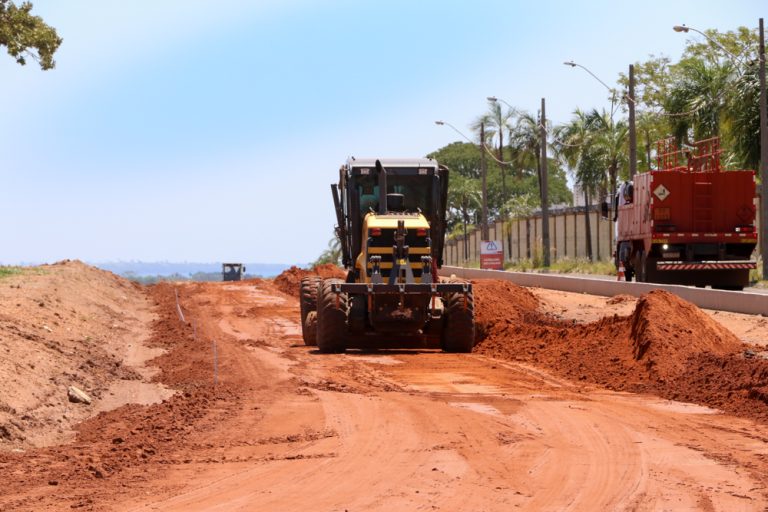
pixel 309 329
pixel 459 328
pixel 308 304
pixel 331 318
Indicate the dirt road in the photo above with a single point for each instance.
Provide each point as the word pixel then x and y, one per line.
pixel 286 428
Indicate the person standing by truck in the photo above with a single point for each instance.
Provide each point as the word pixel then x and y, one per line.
pixel 624 249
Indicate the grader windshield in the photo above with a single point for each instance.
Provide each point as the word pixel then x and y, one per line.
pixel 421 186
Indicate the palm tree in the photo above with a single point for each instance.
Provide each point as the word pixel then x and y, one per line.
pixel 743 115
pixel 497 120
pixel 612 138
pixel 525 142
pixel 525 139
pixel 464 198
pixel 574 144
pixel 698 96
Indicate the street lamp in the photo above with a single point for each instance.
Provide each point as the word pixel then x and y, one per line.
pixel 763 135
pixel 575 64
pixel 631 107
pixel 483 174
pixel 685 29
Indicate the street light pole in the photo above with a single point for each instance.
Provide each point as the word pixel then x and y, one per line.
pixel 544 191
pixel 484 176
pixel 763 156
pixel 632 129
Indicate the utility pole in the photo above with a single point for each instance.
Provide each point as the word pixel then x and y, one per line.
pixel 763 157
pixel 632 129
pixel 484 177
pixel 544 191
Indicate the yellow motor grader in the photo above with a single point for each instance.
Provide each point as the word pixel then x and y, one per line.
pixel 391 226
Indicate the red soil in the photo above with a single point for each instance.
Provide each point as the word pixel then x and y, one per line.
pixel 289 280
pixel 667 346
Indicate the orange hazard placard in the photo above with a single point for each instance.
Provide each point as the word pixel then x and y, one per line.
pixel 491 255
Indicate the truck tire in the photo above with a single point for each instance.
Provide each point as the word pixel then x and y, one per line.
pixel 639 263
pixel 459 323
pixel 331 318
pixel 307 304
pixel 309 329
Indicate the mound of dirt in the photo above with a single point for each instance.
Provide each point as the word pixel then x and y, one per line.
pixel 666 331
pixel 63 325
pixel 667 346
pixel 289 280
pixel 501 302
pixel 619 299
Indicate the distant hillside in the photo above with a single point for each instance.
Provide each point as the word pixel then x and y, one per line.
pixel 165 268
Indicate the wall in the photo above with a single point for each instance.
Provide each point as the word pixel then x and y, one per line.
pixel 522 239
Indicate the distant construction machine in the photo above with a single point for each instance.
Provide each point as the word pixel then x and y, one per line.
pixel 232 271
pixel 391 226
pixel 689 222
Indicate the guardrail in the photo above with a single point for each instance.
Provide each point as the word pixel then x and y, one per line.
pixel 736 302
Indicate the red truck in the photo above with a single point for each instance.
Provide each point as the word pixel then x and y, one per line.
pixel 691 223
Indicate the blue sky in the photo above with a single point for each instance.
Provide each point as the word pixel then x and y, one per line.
pixel 209 131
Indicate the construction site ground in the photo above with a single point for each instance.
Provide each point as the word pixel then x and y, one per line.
pixel 569 402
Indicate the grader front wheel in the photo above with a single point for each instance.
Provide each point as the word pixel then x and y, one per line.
pixel 459 323
pixel 308 304
pixel 332 311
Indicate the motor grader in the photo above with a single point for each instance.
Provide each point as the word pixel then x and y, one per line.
pixel 391 227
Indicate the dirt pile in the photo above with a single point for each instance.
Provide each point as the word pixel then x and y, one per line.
pixel 666 331
pixel 62 325
pixel 667 346
pixel 289 280
pixel 126 440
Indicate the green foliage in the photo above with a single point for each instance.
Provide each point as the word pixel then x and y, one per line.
pixel 461 158
pixel 711 91
pixel 196 277
pixel 562 266
pixel 21 32
pixel 9 271
pixel 330 255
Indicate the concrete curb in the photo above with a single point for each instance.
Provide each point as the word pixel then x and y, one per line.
pixel 736 302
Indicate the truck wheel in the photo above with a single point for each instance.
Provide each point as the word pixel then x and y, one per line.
pixel 308 304
pixel 459 325
pixel 639 263
pixel 331 318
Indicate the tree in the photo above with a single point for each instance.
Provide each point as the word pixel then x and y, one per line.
pixel 464 198
pixel 331 255
pixel 575 145
pixel 497 120
pixel 697 98
pixel 525 140
pixel 709 91
pixel 460 157
pixel 21 32
pixel 611 138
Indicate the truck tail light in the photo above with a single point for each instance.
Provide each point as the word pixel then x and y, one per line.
pixel 745 229
pixel 421 232
pixel 375 231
